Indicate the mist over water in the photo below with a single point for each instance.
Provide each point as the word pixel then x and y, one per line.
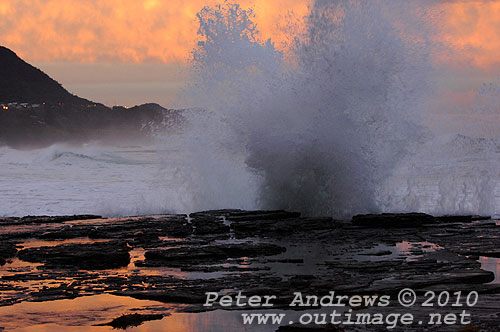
pixel 349 120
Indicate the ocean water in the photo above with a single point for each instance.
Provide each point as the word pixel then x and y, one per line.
pixel 63 179
pixel 135 180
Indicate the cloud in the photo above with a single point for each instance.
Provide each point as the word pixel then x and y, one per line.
pixel 164 31
pixel 117 30
pixel 472 30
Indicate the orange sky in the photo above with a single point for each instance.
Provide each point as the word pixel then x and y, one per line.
pixel 165 30
pixel 473 27
pixel 108 42
pixel 117 30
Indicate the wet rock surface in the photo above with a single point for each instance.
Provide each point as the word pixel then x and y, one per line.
pixel 392 220
pixel 45 219
pixel 101 255
pixel 177 259
pixel 7 249
pixel 211 254
pixel 131 320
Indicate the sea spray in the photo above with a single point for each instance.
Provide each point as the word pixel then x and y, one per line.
pixel 316 135
pixel 456 170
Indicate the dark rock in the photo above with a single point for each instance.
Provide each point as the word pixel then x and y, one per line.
pixel 209 225
pixel 101 255
pixel 251 250
pixel 201 255
pixel 281 227
pixel 131 320
pixel 316 255
pixel 466 288
pixel 51 294
pixel 392 220
pixel 8 221
pixel 7 249
pixel 144 229
pixel 220 268
pixel 451 218
pixel 469 277
pixel 261 215
pixel 66 232
pixel 57 219
pixel 477 218
pixel 377 253
pixel 224 213
pixel 486 253
pixel 420 279
pixel 287 260
pixel 209 254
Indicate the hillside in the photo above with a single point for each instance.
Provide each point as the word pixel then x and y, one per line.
pixel 21 82
pixel 36 111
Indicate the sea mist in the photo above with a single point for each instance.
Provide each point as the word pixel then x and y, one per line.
pixel 335 127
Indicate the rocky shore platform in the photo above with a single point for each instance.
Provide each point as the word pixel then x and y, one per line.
pixel 176 259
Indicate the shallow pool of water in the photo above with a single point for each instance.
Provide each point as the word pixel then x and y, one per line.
pixel 83 313
pixel 491 264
